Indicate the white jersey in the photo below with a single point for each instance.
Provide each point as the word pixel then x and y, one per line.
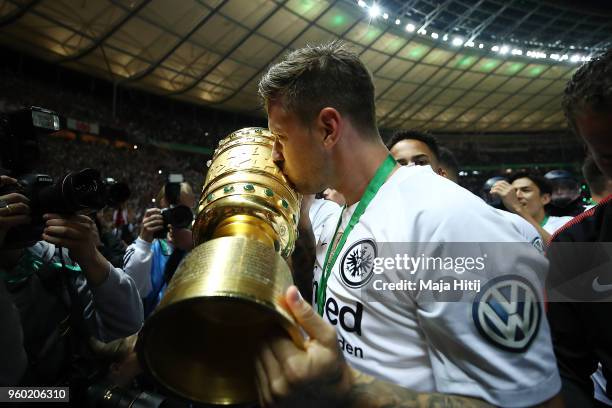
pixel 554 223
pixel 434 346
pixel 524 228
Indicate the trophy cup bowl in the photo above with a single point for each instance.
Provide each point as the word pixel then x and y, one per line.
pixel 227 295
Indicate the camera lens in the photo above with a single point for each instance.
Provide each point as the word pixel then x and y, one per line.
pixel 75 192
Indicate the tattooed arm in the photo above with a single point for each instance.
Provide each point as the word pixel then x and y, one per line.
pixel 367 391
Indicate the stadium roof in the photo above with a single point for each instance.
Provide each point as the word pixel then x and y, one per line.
pixel 445 65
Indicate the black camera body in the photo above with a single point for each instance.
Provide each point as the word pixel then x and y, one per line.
pixel 79 192
pixel 177 215
pixel 75 192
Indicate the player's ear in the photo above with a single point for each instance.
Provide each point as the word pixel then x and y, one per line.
pixel 329 122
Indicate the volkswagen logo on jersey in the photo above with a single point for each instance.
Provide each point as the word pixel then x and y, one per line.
pixel 538 244
pixel 357 265
pixel 507 312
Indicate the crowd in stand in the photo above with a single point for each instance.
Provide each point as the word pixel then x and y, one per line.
pixel 143 117
pixel 145 169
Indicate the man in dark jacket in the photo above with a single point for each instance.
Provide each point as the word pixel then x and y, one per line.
pixel 580 278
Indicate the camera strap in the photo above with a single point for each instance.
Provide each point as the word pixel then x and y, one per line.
pixel 27 265
pixel 172 263
pixel 69 335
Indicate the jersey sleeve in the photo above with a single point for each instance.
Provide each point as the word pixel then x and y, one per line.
pixel 137 263
pixel 321 211
pixel 117 304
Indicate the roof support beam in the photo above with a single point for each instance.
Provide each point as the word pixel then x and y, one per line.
pixel 229 52
pixel 100 40
pixel 17 14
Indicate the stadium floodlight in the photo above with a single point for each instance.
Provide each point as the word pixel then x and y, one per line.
pixel 495 48
pixel 434 36
pixel 575 58
pixel 555 57
pixel 517 52
pixel 385 16
pixel 564 57
pixel 469 44
pixel 422 31
pixel 397 21
pixel 504 49
pixel 374 10
pixel 159 172
pixel 362 3
pixel 457 41
pixel 445 37
pixel 410 27
pixel 135 147
pixel 481 45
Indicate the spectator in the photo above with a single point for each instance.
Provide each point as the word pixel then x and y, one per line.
pixel 566 197
pixel 527 195
pixel 152 261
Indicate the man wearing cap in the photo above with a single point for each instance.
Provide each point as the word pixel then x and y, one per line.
pixel 566 195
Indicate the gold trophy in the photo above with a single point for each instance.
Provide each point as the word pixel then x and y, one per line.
pixel 228 293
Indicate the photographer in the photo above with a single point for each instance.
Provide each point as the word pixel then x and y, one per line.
pixel 55 295
pixel 153 258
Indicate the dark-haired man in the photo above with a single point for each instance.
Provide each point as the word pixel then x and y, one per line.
pixel 527 195
pixel 580 268
pixel 320 106
pixel 413 148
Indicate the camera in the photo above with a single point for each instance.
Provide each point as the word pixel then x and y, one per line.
pixel 76 192
pixel 177 215
pixel 118 192
pixel 109 396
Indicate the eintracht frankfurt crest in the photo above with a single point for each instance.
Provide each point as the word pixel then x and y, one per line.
pixel 357 264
